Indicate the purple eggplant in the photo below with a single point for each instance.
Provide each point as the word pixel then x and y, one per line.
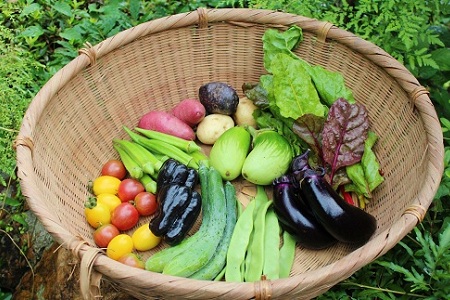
pixel 345 222
pixel 296 217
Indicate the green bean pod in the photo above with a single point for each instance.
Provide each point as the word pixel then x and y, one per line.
pixel 239 243
pixel 271 246
pixel 255 263
pixel 261 200
pixel 287 254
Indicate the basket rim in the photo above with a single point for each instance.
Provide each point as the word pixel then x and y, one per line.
pixel 202 17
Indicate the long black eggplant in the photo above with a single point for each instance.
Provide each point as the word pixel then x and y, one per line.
pixel 345 222
pixel 296 217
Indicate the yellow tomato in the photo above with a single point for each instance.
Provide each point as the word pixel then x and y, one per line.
pixel 105 184
pixel 97 214
pixel 120 245
pixel 110 200
pixel 144 239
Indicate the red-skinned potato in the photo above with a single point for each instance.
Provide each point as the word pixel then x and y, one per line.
pixel 166 123
pixel 190 111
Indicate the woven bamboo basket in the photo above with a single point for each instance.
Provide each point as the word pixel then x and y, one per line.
pixel 67 132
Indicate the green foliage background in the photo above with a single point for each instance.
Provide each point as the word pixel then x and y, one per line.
pixel 38 37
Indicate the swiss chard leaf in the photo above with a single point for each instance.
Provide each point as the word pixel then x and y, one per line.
pixel 275 41
pixel 365 175
pixel 309 128
pixel 344 134
pixel 330 85
pixel 293 90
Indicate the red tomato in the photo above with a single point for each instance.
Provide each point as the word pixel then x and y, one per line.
pixel 114 168
pixel 145 203
pixel 125 216
pixel 132 260
pixel 129 188
pixel 104 234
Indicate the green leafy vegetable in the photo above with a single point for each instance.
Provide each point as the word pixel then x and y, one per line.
pixel 275 41
pixel 330 85
pixel 294 92
pixel 365 175
pixel 298 87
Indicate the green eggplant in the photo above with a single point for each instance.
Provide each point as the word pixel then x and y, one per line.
pixel 228 153
pixel 269 158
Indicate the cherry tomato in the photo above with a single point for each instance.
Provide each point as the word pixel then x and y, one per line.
pixel 97 214
pixel 104 234
pixel 145 203
pixel 105 184
pixel 110 200
pixel 144 239
pixel 119 246
pixel 125 216
pixel 132 260
pixel 115 168
pixel 129 188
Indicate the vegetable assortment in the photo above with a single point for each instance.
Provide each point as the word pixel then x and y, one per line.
pixel 298 136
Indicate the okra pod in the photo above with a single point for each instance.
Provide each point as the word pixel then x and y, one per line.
pixel 137 155
pixel 163 148
pixel 132 167
pixel 182 144
pixel 148 183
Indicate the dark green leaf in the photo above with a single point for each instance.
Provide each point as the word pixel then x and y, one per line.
pixel 31 8
pixel 33 31
pixel 13 202
pixel 135 6
pixel 20 218
pixel 63 8
pixel 442 57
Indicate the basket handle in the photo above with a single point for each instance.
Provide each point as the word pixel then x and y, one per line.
pixel 89 278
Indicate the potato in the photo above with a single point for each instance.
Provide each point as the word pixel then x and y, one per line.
pixel 190 111
pixel 244 112
pixel 166 123
pixel 212 126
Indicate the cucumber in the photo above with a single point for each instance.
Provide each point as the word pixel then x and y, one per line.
pixel 190 261
pixel 217 262
pixel 159 260
pixel 228 153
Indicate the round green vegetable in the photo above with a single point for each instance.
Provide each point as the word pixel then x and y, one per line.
pixel 228 153
pixel 269 158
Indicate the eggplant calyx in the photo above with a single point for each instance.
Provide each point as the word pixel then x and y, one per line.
pixel 286 179
pixel 300 162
